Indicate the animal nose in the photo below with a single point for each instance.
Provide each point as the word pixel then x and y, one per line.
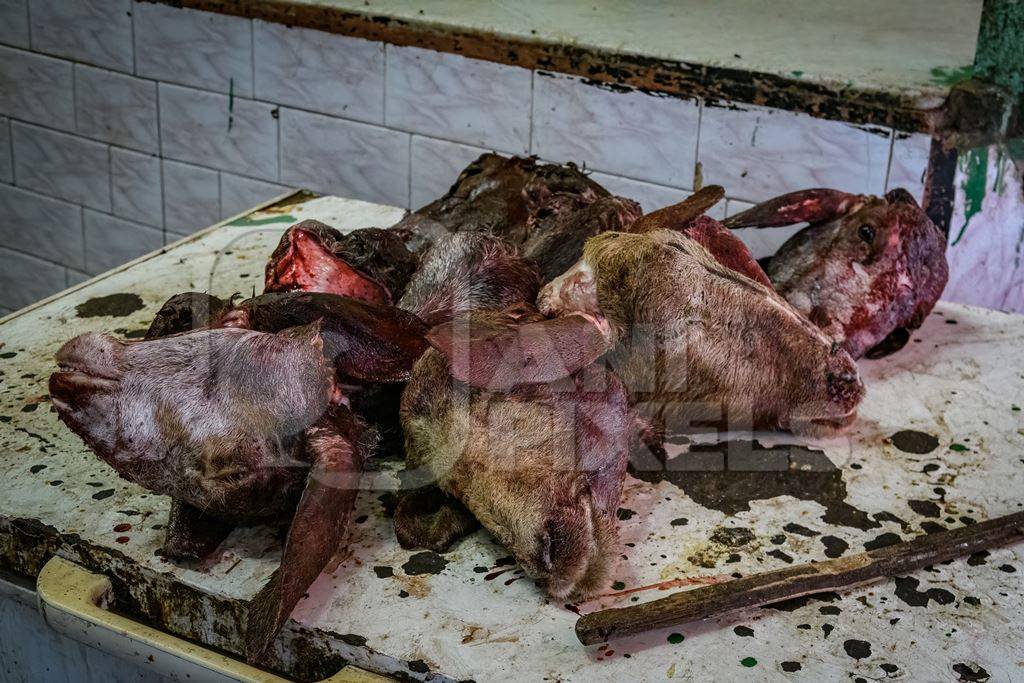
pixel 844 386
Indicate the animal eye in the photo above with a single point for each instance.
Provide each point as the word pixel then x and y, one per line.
pixel 866 233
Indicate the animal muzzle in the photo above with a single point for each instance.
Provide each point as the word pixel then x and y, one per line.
pixel 89 363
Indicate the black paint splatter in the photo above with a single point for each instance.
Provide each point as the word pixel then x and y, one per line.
pixel 353 639
pixel 970 672
pixel 105 493
pixel 778 554
pixel 419 666
pixel 426 562
pixel 732 537
pixel 744 631
pixel 36 469
pixel 384 572
pixel 800 530
pixel 906 590
pixel 925 508
pixel 889 668
pixel 827 629
pixel 113 305
pixel 886 516
pixel 1008 568
pixel 858 649
pixel 830 609
pixel 913 441
pixel 624 513
pixel 978 558
pixel 882 541
pixel 680 521
pixel 834 546
pixel 790 667
pixel 805 473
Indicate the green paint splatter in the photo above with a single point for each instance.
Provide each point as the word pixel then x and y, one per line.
pixel 748 662
pixel 618 585
pixel 999 56
pixel 675 638
pixel 958 447
pixel 974 166
pixel 245 220
pixel 798 74
pixel 944 75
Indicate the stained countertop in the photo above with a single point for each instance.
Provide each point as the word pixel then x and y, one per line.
pixel 938 444
pixel 865 61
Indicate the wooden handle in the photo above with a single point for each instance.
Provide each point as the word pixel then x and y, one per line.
pixel 792 582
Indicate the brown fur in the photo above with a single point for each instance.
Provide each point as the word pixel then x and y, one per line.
pixel 698 344
pixel 540 467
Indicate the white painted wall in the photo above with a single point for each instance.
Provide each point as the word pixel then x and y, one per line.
pixel 125 125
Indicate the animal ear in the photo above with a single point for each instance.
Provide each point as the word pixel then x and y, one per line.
pixel 810 206
pixel 335 451
pixel 502 357
pixel 429 518
pixel 676 217
pixel 191 533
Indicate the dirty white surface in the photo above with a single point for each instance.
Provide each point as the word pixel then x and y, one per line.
pixel 907 47
pixel 471 614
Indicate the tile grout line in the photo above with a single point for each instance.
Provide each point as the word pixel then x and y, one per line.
pixel 160 158
pixel 28 20
pixel 408 194
pixel 135 66
pixel 10 147
pixel 384 83
pixel 888 165
pixel 696 151
pixel 252 56
pixel 533 107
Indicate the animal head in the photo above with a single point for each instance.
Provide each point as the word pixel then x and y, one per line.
pixel 207 408
pixel 370 264
pixel 864 268
pixel 695 338
pixel 464 271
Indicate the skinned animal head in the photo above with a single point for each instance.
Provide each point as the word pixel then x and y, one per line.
pixel 540 462
pixel 210 417
pixel 864 269
pixel 466 271
pixel 701 345
pixel 370 264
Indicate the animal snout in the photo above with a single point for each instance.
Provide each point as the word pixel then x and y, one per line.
pixel 94 354
pixel 844 386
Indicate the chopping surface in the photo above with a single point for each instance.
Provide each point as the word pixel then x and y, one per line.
pixel 938 443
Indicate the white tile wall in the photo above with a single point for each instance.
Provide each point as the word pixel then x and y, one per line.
pixel 222 112
pixel 757 153
pixel 45 227
pixel 191 197
pixel 14 22
pixel 62 165
pixel 185 46
pixel 632 134
pixel 435 166
pixel 342 157
pixel 648 195
pixel 218 131
pixel 909 163
pixel 92 31
pixel 450 96
pixel 36 88
pixel 111 241
pixel 320 71
pixel 116 108
pixel 238 193
pixel 25 279
pixel 136 189
pixel 6 162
